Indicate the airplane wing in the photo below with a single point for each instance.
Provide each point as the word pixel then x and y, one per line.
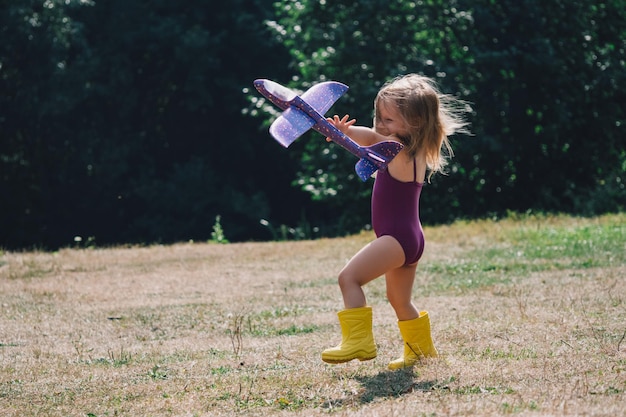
pixel 293 122
pixel 290 126
pixel 323 95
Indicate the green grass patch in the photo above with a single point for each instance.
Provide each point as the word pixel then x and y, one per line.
pixel 475 389
pixel 584 246
pixel 535 244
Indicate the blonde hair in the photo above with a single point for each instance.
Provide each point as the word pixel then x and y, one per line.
pixel 429 115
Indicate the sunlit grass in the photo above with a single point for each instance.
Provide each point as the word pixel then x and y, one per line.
pixel 527 313
pixel 531 244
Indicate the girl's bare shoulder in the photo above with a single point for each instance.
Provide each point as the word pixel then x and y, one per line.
pixel 403 169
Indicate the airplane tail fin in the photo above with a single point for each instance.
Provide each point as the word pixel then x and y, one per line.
pixel 365 169
pixel 293 123
pixel 376 157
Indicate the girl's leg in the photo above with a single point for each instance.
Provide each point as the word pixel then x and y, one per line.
pixel 374 260
pixel 414 325
pixel 399 288
pixel 357 339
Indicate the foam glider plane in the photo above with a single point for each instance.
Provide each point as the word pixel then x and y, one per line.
pixel 301 113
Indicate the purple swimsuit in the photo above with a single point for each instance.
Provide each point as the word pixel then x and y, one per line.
pixel 395 213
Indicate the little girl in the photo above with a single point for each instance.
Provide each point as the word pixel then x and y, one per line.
pixel 411 110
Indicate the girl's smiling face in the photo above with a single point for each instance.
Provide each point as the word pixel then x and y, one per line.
pixel 389 121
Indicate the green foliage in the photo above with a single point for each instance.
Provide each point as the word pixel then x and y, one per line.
pixel 217 236
pixel 362 44
pixel 122 120
pixel 546 90
pixel 134 121
pixel 545 80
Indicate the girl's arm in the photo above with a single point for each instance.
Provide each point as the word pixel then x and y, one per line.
pixel 364 136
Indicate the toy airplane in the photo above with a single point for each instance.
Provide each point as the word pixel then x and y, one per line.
pixel 303 113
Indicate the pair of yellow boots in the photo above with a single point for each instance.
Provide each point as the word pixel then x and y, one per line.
pixel 357 339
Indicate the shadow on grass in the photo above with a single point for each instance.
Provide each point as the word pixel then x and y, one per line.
pixel 386 384
pixel 390 384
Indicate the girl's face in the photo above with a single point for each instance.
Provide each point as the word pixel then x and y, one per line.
pixel 389 121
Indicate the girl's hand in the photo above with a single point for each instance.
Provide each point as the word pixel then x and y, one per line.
pixel 342 124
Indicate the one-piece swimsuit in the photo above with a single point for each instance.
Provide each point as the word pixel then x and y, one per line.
pixel 395 212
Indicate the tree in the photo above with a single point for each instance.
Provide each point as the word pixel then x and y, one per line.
pixel 38 87
pixel 547 78
pixel 544 79
pixel 122 121
pixel 364 44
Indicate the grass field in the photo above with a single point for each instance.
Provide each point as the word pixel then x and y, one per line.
pixel 528 314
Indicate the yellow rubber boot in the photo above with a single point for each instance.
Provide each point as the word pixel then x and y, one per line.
pixel 418 342
pixel 357 339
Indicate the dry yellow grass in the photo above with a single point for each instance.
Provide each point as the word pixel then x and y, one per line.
pixel 220 330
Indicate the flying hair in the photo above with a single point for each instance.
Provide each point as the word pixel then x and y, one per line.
pixel 431 117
